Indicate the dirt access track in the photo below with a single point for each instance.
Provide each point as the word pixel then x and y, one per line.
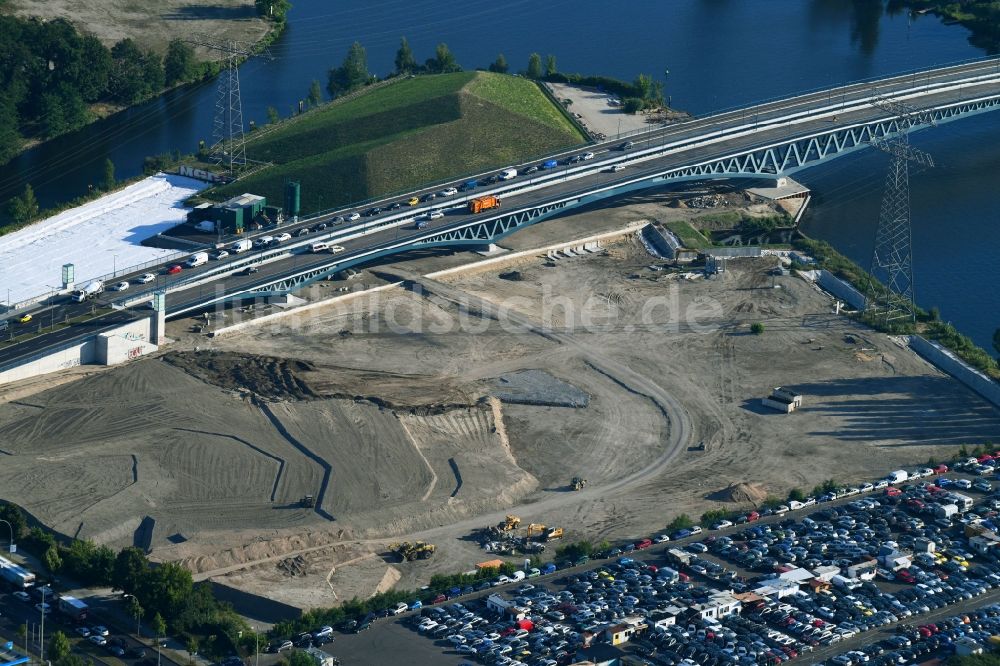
pixel 152 24
pixel 385 409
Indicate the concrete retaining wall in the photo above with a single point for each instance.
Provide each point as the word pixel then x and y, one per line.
pixel 834 285
pixel 108 348
pixel 729 252
pixel 948 362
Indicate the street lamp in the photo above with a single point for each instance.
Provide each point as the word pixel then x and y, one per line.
pixel 114 270
pixel 137 611
pixel 13 548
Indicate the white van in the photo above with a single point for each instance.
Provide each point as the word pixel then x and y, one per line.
pixel 508 173
pixel 319 246
pixel 197 259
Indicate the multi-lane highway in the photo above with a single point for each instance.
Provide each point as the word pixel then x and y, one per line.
pixel 651 154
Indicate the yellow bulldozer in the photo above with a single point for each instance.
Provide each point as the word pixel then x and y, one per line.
pixel 509 524
pixel 554 533
pixel 578 483
pixel 408 552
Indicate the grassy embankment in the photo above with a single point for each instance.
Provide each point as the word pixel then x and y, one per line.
pixel 417 131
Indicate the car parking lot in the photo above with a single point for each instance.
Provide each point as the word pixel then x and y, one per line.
pixel 815 584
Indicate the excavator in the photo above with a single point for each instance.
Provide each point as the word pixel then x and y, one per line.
pixel 578 483
pixel 535 529
pixel 408 552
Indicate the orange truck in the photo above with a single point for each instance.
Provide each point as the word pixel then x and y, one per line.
pixel 479 204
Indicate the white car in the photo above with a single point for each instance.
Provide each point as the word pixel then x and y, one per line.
pixel 661 538
pixel 121 286
pixel 99 630
pixel 220 254
pixel 616 168
pixel 281 238
pixel 722 524
pixel 336 249
pixel 587 156
pixel 400 609
pixel 97 639
pixel 354 216
pixel 148 277
pixel 435 215
pixel 448 192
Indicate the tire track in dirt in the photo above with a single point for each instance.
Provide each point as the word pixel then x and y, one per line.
pixel 434 476
pixel 280 461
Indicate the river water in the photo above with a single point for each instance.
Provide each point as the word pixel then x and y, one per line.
pixel 719 53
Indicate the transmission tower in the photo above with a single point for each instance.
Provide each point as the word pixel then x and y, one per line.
pixel 229 144
pixel 892 256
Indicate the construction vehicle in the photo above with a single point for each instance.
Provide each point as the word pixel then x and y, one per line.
pixel 578 483
pixel 554 533
pixel 479 204
pixel 418 550
pixel 535 529
pixel 509 524
pixel 532 547
pixel 307 502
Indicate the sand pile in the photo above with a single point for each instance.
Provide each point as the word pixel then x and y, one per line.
pixel 741 493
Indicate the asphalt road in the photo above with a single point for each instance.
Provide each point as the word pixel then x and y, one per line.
pixel 61 336
pixel 686 132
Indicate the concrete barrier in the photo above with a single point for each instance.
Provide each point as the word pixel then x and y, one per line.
pixel 946 361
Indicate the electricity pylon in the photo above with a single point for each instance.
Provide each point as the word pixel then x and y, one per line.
pixel 229 146
pixel 892 256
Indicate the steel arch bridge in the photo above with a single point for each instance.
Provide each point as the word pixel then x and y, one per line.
pixel 772 161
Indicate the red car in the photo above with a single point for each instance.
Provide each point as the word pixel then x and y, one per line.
pixel 440 599
pixel 941 469
pixel 645 543
pixel 173 270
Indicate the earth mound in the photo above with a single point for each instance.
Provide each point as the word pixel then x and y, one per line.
pixel 741 493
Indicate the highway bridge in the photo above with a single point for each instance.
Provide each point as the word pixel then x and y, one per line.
pixel 765 140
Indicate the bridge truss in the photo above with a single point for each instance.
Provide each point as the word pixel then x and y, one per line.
pixel 774 160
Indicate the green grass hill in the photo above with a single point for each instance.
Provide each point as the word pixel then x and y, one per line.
pixel 403 135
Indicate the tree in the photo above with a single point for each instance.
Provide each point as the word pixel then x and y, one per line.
pixel 15 516
pixel 405 62
pixel 444 60
pixel 550 65
pixel 534 66
pixel 352 74
pixel 59 646
pixel 153 73
pixel 10 135
pixel 499 65
pixel 127 82
pixel 130 569
pixel 92 80
pixel 299 658
pixel 272 115
pixel 757 328
pixel 165 589
pixel 109 174
pixel 996 340
pixel 632 105
pixel 644 86
pixel 23 209
pixel 273 9
pixel 179 63
pixel 315 97
pixel 158 626
pixel 796 495
pixel 191 645
pixel 681 522
pixel 52 560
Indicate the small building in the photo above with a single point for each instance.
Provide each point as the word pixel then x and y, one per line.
pixel 719 604
pixel 984 543
pixel 321 658
pixel 896 560
pixel 617 634
pixel 924 545
pixel 777 588
pixel 783 400
pixel 661 619
pixel 864 570
pixel 798 575
pixel 826 572
pixel 505 607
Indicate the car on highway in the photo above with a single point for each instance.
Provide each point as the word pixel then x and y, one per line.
pixel 220 254
pixel 249 270
pixel 531 169
pixel 354 216
pixel 146 277
pixel 626 145
pixel 304 231
pixel 121 286
pixel 615 168
pixel 174 269
pixel 263 241
pixel 448 192
pixel 25 318
pixel 97 639
pixel 322 225
pixel 339 219
pixel 414 201
pixel 336 249
pixel 587 156
pixel 21 595
pixel 371 212
pixel 281 238
pixel 430 196
pixel 435 215
pixel 395 205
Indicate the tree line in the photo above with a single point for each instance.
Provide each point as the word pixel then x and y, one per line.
pixel 50 74
pixel 353 73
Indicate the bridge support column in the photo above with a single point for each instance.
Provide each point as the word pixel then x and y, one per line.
pixel 158 326
pixel 488 249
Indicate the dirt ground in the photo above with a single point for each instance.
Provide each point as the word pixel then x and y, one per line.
pixel 591 109
pixel 384 409
pixel 153 24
